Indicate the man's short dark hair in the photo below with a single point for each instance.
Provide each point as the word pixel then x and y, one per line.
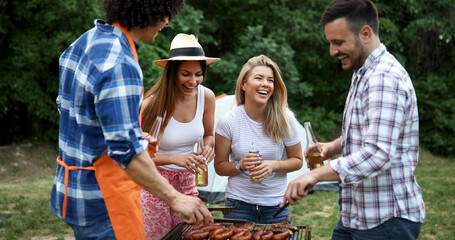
pixel 358 13
pixel 141 13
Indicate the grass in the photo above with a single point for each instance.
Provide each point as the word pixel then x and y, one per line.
pixel 437 180
pixel 25 214
pixel 24 206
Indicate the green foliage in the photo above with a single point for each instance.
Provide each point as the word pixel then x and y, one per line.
pixel 420 34
pixel 436 100
pixel 33 35
pixel 423 41
pixel 147 54
pixel 265 28
pixel 325 123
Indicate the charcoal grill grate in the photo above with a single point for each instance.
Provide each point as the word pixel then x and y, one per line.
pixel 177 233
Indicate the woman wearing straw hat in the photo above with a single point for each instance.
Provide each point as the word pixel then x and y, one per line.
pixel 188 111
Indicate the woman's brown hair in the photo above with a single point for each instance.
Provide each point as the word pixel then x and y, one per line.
pixel 161 97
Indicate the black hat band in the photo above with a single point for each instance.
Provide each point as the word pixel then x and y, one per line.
pixel 190 52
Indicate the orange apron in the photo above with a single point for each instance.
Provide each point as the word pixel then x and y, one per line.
pixel 121 194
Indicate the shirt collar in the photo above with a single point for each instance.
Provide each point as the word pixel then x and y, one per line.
pixel 102 26
pixel 371 59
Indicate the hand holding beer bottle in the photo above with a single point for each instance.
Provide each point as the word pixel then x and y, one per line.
pixel 201 174
pixel 314 158
pixel 255 151
pixel 153 137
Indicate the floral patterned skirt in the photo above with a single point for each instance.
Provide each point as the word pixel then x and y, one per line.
pixel 159 218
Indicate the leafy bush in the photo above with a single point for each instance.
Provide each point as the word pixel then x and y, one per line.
pixel 436 101
pixel 33 35
pixel 420 34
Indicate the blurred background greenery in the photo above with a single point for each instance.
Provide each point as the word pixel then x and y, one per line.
pixel 33 33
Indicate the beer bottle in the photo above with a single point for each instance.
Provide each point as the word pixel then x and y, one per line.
pixel 314 158
pixel 202 177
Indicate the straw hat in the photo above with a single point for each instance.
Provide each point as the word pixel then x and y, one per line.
pixel 185 47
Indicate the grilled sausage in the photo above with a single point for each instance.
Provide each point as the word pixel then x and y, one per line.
pixel 281 236
pixel 267 235
pixel 263 235
pixel 257 235
pixel 242 234
pixel 212 227
pixel 196 234
pixel 199 226
pixel 199 235
pixel 221 233
pixel 224 235
pixel 201 231
pixel 240 229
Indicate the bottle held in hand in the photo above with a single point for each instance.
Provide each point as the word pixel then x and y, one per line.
pixel 201 175
pixel 153 136
pixel 253 150
pixel 314 158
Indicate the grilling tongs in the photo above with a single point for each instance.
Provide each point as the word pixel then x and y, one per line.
pixel 287 203
pixel 224 210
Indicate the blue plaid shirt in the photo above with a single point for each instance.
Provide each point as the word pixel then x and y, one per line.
pixel 380 146
pixel 99 98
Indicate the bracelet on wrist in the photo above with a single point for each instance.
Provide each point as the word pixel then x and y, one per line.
pixel 238 166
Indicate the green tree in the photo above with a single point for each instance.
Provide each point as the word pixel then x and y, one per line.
pixel 429 50
pixel 420 34
pixel 33 34
pixel 290 33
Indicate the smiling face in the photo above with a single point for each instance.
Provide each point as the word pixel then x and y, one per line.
pixel 189 76
pixel 259 85
pixel 345 45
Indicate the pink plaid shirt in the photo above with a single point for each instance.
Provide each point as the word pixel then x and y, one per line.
pixel 380 146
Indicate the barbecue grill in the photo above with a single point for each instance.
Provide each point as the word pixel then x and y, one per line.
pixel 177 233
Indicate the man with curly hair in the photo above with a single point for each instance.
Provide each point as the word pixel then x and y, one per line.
pixel 102 161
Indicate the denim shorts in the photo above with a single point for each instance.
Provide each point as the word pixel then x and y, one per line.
pixel 99 231
pixel 393 229
pixel 255 213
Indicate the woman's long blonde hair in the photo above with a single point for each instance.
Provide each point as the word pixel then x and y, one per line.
pixel 276 123
pixel 162 97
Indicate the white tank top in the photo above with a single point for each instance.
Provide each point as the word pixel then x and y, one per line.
pixel 179 138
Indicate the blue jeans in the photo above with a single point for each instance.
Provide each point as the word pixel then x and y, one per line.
pixel 393 229
pixel 99 231
pixel 255 213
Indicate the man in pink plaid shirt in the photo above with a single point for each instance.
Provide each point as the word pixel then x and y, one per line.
pixel 379 196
